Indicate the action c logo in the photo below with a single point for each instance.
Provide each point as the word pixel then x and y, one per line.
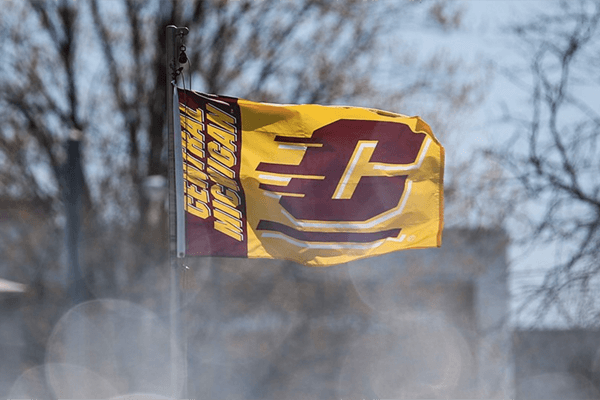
pixel 352 171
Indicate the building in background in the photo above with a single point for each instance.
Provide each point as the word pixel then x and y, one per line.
pixel 415 324
pixel 557 364
pixel 423 323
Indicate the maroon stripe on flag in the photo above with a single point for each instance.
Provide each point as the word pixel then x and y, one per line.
pixel 352 237
pixel 291 139
pixel 221 230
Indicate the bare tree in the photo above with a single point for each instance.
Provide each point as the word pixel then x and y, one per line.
pixel 98 67
pixel 553 160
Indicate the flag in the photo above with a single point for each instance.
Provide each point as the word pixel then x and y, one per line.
pixel 318 185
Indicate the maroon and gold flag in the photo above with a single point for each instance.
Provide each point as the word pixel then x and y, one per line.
pixel 313 184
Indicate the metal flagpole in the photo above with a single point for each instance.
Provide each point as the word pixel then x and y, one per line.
pixel 176 221
pixel 73 185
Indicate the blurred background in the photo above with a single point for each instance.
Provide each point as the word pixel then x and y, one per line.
pixel 507 307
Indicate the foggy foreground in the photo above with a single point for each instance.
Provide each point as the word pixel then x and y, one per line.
pixel 416 324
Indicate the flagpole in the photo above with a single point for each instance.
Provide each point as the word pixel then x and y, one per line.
pixel 73 189
pixel 176 222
